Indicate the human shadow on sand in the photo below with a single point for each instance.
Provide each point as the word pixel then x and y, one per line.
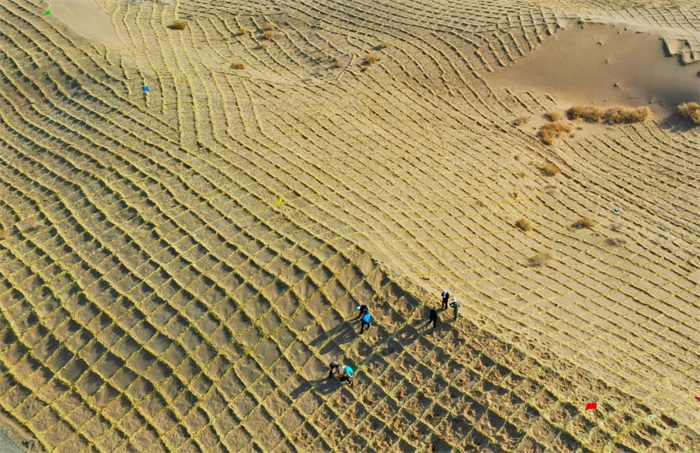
pixel 322 386
pixel 340 334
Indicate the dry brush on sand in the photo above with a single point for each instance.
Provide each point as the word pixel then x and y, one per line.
pixel 690 111
pixel 612 115
pixel 549 132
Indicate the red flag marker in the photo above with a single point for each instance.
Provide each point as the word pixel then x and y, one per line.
pixel 593 406
pixel 697 398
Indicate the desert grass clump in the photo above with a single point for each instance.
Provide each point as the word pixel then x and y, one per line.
pixel 550 169
pixel 613 115
pixel 3 233
pixel 524 225
pixel 237 66
pixel 539 260
pixel 521 120
pixel 584 222
pixel 270 26
pixel 178 25
pixel 269 34
pixel 690 111
pixel 552 131
pixel 554 116
pixel 627 115
pixel 588 113
pixel 383 45
pixel 371 59
pixel 243 31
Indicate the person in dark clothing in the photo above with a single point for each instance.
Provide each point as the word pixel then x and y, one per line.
pixel 445 299
pixel 334 369
pixel 433 317
pixel 364 309
pixel 366 322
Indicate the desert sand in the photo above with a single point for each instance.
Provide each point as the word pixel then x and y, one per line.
pixel 179 265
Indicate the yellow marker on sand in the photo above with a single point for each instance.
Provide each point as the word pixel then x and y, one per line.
pixel 278 202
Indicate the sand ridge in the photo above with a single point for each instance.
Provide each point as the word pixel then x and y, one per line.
pixel 153 298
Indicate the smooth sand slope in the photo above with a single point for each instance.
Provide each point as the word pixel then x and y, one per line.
pixel 155 297
pixel 86 18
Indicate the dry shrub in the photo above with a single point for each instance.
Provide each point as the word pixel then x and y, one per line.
pixel 524 225
pixel 554 116
pixel 243 31
pixel 627 115
pixel 615 115
pixel 589 113
pixel 371 59
pixel 237 66
pixel 549 169
pixel 269 26
pixel 3 233
pixel 269 34
pixel 584 222
pixel 383 45
pixel 178 25
pixel 521 120
pixel 690 111
pixel 540 259
pixel 551 131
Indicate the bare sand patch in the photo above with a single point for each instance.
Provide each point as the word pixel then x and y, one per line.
pixel 86 18
pixel 604 65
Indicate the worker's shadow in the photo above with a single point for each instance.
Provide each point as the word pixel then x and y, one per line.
pixel 340 334
pixel 323 386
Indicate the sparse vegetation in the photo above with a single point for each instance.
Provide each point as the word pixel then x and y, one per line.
pixel 237 66
pixel 269 26
pixel 552 131
pixel 690 111
pixel 382 45
pixel 539 260
pixel 243 31
pixel 550 169
pixel 521 120
pixel 524 225
pixel 371 59
pixel 614 115
pixel 554 116
pixel 178 25
pixel 269 34
pixel 3 233
pixel 584 222
pixel 627 115
pixel 588 113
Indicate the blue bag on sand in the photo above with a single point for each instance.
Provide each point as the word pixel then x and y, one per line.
pixel 367 318
pixel 349 371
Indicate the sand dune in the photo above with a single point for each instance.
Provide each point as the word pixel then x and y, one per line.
pixel 605 65
pixel 156 294
pixel 86 18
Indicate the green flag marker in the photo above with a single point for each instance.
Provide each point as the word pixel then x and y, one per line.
pixel 47 12
pixel 278 202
